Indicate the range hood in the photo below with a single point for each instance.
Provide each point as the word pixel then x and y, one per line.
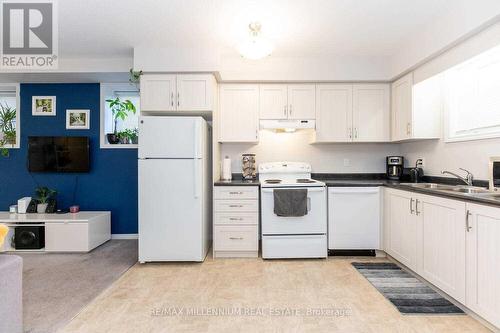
pixel 288 124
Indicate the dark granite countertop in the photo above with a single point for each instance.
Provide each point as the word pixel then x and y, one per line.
pixel 237 181
pixel 376 180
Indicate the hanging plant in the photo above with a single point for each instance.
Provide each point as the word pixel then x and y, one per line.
pixel 134 76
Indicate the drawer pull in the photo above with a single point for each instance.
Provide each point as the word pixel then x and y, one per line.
pixel 236 206
pixel 235 192
pixel 236 238
pixel 235 219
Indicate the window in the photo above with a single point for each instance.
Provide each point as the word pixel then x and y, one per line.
pixel 9 116
pixel 472 98
pixel 127 126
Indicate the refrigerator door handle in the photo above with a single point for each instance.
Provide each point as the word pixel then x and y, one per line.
pixel 197 182
pixel 197 139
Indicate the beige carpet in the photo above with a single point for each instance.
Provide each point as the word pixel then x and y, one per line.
pixel 56 287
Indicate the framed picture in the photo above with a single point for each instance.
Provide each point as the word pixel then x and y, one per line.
pixel 43 106
pixel 77 119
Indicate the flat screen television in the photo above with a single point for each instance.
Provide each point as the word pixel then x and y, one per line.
pixel 58 154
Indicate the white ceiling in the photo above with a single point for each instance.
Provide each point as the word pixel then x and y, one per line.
pixel 332 39
pixel 97 28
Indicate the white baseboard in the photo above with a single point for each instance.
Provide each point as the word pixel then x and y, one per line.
pixel 124 236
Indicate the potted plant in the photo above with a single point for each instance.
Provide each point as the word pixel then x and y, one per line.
pixel 123 137
pixel 7 128
pixel 44 194
pixel 120 110
pixel 135 136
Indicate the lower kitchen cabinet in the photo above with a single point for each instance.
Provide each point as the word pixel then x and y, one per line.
pixel 236 221
pixel 441 243
pixel 452 244
pixel 400 227
pixel 483 262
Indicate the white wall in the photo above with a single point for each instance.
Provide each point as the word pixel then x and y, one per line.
pixel 466 18
pixel 439 155
pixel 295 147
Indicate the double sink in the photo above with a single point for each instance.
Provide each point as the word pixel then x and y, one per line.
pixel 457 189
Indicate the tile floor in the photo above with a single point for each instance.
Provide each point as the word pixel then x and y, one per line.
pixel 272 296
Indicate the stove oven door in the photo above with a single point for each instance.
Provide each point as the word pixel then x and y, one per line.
pixel 315 222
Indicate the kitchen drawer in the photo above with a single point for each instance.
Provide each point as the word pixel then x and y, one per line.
pixel 236 238
pixel 237 218
pixel 236 206
pixel 236 192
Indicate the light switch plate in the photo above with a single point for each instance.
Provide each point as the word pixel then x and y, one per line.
pixel 347 162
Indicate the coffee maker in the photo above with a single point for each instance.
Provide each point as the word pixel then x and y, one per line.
pixel 395 166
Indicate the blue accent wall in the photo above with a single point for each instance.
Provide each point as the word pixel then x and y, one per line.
pixel 111 183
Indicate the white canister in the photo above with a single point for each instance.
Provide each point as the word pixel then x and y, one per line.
pixel 226 169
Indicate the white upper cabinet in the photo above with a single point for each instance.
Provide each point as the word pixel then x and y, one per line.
pixel 402 108
pixel 239 113
pixel 195 92
pixel 273 101
pixel 281 101
pixel 164 92
pixel 301 101
pixel 334 113
pixel 352 113
pixel 158 92
pixel 371 113
pixel 416 109
pixel 483 257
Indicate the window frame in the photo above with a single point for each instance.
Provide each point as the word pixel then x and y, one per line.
pixel 102 135
pixel 17 87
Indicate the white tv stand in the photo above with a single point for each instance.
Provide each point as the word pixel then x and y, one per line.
pixel 79 232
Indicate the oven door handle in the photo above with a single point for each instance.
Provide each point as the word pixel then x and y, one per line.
pixel 270 190
pixel 308 204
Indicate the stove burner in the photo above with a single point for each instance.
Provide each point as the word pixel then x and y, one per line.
pixel 273 181
pixel 305 181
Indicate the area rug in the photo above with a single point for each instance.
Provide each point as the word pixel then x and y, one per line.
pixel 407 293
pixel 56 287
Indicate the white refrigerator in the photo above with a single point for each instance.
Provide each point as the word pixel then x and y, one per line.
pixel 174 188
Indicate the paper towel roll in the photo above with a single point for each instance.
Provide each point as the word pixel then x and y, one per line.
pixel 226 169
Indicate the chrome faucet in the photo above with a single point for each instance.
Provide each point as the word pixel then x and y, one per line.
pixel 469 179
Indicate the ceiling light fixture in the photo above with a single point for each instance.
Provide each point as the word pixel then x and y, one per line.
pixel 256 47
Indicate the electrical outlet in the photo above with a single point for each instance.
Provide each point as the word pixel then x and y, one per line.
pixel 347 162
pixel 422 163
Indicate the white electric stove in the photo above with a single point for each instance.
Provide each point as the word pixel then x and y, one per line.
pixel 293 237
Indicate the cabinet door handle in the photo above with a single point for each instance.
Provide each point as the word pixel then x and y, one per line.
pixel 235 219
pixel 408 128
pixel 467 223
pixel 172 99
pixel 236 238
pixel 284 111
pixel 290 110
pixel 236 206
pixel 411 206
pixel 355 132
pixel 416 207
pixel 236 192
pixel 350 133
pixel 178 99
